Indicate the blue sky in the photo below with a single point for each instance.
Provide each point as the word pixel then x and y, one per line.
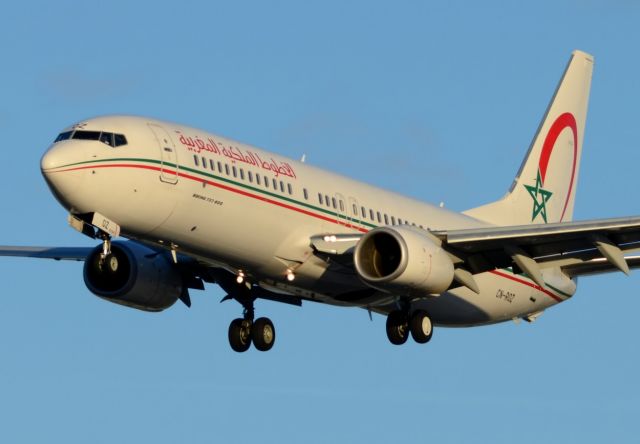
pixel 438 100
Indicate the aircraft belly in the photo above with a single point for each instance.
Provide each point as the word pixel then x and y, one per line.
pixel 503 297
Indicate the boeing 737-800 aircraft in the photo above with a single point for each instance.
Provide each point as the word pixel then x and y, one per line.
pixel 196 207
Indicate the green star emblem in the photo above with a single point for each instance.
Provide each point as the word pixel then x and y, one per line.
pixel 540 198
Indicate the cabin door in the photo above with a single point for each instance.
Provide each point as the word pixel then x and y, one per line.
pixel 168 155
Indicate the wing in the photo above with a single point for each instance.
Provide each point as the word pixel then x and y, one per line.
pixel 585 247
pixel 57 253
pixel 578 248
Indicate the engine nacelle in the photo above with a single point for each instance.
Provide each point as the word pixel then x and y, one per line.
pixel 403 260
pixel 134 276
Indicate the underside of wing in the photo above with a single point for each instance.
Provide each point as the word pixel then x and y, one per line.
pixel 576 247
pixel 57 253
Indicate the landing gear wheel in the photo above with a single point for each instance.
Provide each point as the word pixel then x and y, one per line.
pixel 240 335
pixel 263 334
pixel 421 327
pixel 111 263
pixel 397 327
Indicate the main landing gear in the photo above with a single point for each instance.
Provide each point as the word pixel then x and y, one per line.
pixel 400 324
pixel 243 331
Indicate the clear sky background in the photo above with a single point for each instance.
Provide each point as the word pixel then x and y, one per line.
pixel 438 100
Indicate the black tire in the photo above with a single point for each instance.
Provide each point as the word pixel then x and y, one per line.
pixel 421 327
pixel 263 334
pixel 397 327
pixel 240 335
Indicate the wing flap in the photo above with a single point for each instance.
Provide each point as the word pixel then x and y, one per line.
pixel 598 265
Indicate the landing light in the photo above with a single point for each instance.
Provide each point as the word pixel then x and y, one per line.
pixel 290 276
pixel 240 278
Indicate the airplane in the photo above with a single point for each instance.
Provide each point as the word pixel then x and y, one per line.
pixel 199 208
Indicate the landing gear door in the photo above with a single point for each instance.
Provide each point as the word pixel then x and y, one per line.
pixel 168 155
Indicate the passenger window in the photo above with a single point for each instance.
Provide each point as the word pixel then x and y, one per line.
pixel 226 169
pixel 306 194
pixel 386 220
pixel 257 178
pixel 266 182
pixel 341 205
pixel 320 198
pixel 235 171
pixel 289 188
pixel 326 200
pixel 275 184
pixel 119 139
pixel 363 211
pixel 333 202
pixel 250 175
pixel 204 163
pixel 355 210
pixel 195 160
pixel 107 138
pixel 379 218
pixel 371 214
pixel 282 186
pixel 212 164
pixel 219 167
pixel 241 174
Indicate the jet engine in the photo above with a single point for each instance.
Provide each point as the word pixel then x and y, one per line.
pixel 133 275
pixel 403 260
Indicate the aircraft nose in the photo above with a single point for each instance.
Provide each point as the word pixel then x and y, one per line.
pixel 62 171
pixel 60 155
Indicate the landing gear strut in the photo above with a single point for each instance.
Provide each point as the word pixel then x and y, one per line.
pixel 107 260
pixel 400 325
pixel 243 331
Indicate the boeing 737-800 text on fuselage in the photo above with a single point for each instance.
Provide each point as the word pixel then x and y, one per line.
pixel 196 207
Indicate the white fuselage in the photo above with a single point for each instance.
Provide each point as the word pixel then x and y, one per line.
pixel 252 211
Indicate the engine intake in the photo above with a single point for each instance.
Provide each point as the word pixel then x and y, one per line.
pixel 403 260
pixel 133 275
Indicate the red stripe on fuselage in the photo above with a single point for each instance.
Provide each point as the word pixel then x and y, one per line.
pixel 529 284
pixel 219 185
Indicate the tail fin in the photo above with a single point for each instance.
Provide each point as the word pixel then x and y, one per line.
pixel 544 189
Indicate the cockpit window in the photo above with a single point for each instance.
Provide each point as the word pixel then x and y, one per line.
pixel 87 135
pixel 120 139
pixel 63 136
pixel 111 139
pixel 107 138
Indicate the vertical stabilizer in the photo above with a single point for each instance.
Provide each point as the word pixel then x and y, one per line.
pixel 544 189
